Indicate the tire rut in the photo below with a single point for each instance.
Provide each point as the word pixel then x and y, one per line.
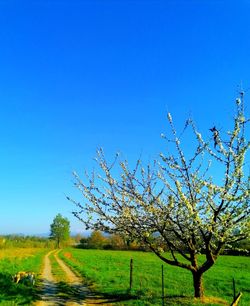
pixel 50 288
pixel 77 293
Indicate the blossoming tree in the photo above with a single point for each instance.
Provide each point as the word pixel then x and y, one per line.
pixel 185 204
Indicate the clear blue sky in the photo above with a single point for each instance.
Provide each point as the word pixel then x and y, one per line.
pixel 76 75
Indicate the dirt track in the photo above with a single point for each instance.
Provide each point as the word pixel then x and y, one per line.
pixel 52 293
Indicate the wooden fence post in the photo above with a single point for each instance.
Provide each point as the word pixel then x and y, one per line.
pixel 131 274
pixel 162 284
pixel 234 290
pixel 236 297
pixel 237 300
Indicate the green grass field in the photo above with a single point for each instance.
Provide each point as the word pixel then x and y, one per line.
pixel 108 273
pixel 14 260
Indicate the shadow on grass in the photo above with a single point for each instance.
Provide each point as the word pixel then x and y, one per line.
pixel 78 293
pixel 103 298
pixel 61 293
pixel 187 301
pixel 58 293
pixel 175 300
pixel 10 291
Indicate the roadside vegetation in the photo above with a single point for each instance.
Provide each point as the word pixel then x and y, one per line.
pixel 107 272
pixel 13 260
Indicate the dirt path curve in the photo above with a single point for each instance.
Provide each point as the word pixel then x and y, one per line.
pixel 80 295
pixel 48 284
pixel 71 276
pixel 50 289
pixel 75 283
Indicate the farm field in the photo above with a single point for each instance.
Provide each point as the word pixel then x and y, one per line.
pixel 107 272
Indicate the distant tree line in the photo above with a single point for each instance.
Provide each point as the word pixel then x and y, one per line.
pixel 99 240
pixel 23 241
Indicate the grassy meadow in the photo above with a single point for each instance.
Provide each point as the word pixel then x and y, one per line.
pixel 108 274
pixel 13 260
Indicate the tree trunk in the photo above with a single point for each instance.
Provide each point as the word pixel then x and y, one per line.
pixel 198 286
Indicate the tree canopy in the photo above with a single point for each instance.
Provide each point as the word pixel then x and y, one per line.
pixel 185 203
pixel 60 229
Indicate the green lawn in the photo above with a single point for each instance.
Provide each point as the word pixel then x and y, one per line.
pixel 108 273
